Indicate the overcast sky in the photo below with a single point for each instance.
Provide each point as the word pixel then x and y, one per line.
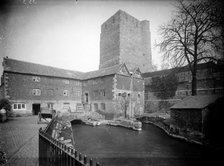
pixel 66 34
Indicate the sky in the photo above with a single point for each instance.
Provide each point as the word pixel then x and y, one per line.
pixel 66 33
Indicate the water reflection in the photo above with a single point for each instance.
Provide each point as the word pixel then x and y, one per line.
pixel 120 146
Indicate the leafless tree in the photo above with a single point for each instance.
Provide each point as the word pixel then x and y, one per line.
pixel 191 37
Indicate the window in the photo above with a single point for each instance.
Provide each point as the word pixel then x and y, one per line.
pixel 95 93
pixel 23 106
pixel 36 79
pixel 65 81
pixel 50 106
pixel 78 93
pixel 36 92
pixel 65 93
pixel 102 106
pixel 86 97
pixel 66 105
pixel 77 83
pixel 15 106
pixel 102 92
pixel 19 106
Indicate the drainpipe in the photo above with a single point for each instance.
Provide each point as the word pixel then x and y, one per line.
pixel 131 89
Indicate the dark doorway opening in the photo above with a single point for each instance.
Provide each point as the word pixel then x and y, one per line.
pixel 36 109
pixel 86 97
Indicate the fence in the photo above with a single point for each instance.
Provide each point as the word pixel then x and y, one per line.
pixel 55 153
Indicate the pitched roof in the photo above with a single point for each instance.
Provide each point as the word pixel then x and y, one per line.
pixel 101 72
pixel 157 73
pixel 196 102
pixel 12 65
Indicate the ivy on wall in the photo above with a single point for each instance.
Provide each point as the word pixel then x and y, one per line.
pixel 164 87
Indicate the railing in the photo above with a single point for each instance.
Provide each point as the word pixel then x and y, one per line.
pixel 55 153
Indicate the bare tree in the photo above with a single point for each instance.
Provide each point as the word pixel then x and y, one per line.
pixel 191 37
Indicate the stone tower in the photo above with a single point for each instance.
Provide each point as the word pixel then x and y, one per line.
pixel 125 39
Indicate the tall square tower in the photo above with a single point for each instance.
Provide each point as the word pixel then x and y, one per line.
pixel 125 39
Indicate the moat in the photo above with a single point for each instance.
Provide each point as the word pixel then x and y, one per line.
pixel 125 147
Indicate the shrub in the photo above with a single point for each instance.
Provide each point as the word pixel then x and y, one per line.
pixel 5 103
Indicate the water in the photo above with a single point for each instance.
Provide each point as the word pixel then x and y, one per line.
pixel 125 147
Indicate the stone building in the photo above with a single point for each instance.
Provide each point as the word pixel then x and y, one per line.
pixel 113 90
pixel 125 39
pixel 30 86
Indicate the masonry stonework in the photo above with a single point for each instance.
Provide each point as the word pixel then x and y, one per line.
pixel 125 39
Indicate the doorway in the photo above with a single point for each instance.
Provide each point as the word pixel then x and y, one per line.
pixel 36 109
pixel 86 97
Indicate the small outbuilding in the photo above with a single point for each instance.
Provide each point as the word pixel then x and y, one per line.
pixel 193 112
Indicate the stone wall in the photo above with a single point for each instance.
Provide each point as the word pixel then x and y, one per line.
pixel 128 95
pixel 125 39
pixel 98 89
pixel 58 92
pixel 110 42
pixel 51 88
pixel 209 81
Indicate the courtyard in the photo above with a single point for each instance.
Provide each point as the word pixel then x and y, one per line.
pixel 112 145
pixel 19 140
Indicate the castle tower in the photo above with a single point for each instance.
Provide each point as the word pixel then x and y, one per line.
pixel 125 39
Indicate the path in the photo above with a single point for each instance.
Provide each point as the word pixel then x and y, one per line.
pixel 19 139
